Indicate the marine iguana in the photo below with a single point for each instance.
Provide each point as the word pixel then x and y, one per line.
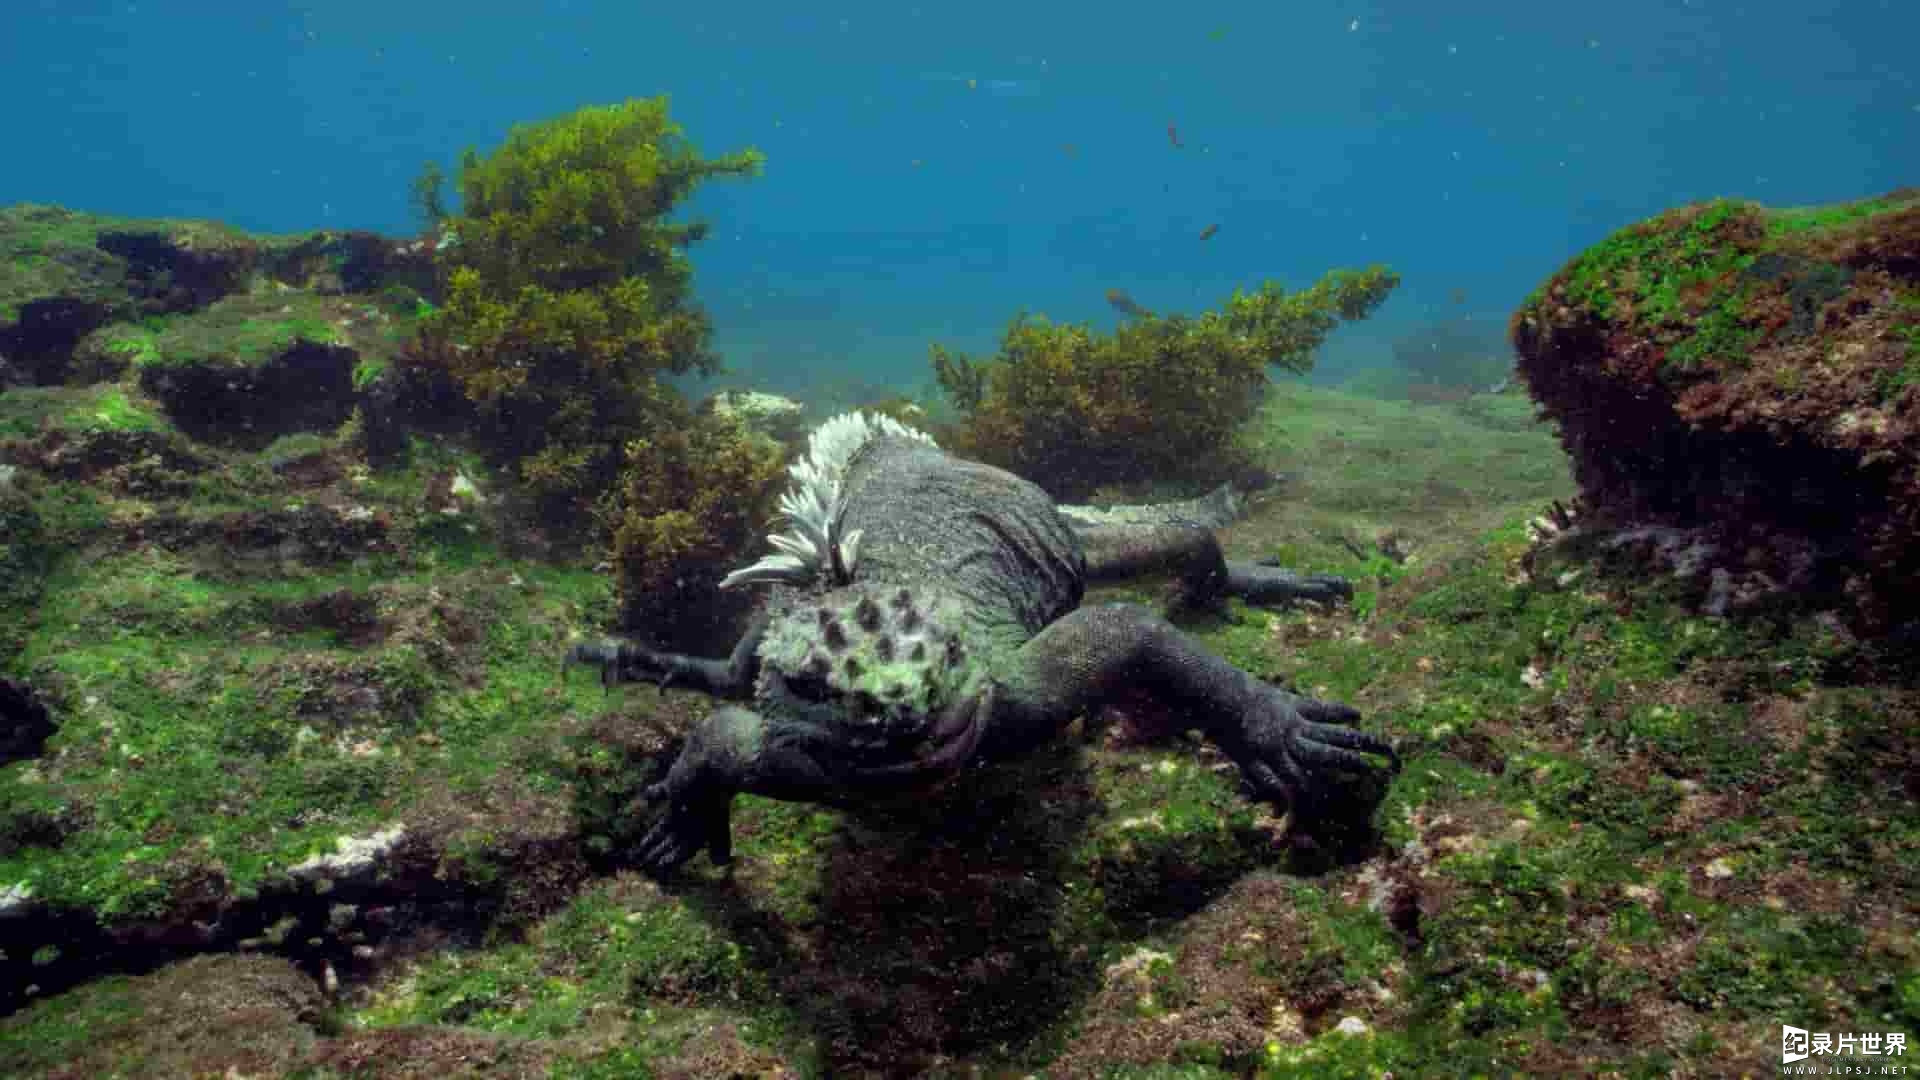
pixel 926 618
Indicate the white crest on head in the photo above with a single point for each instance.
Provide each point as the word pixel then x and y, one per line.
pixel 815 501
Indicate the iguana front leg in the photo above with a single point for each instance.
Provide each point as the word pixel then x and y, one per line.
pixel 736 750
pixel 630 661
pixel 733 750
pixel 1288 746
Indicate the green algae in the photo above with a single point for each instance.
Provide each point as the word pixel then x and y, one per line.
pixel 1608 799
pixel 245 329
pixel 1691 279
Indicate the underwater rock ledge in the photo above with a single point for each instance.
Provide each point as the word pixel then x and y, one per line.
pixel 1753 374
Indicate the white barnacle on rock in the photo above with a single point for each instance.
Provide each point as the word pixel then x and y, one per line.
pixel 355 855
pixel 813 543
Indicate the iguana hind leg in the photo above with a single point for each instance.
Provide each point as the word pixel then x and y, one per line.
pixel 1118 552
pixel 1178 538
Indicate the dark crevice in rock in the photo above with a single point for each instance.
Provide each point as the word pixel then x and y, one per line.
pixel 47 951
pixel 87 455
pixel 307 388
pixel 351 927
pixel 25 723
pixel 174 277
pixel 39 346
pixel 354 261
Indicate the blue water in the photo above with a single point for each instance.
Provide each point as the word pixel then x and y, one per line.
pixel 935 168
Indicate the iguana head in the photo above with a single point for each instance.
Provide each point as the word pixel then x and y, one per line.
pixel 885 664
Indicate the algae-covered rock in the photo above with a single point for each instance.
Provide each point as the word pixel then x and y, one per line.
pixel 240 337
pixel 208 1016
pixel 182 265
pixel 779 418
pixel 56 285
pixel 1754 373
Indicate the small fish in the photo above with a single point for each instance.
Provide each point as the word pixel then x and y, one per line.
pixel 1126 305
pixel 1070 149
pixel 1459 296
pixel 1207 233
pixel 1173 136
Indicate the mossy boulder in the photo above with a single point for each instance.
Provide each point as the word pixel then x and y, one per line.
pixel 1753 373
pixel 209 1016
pixel 182 265
pixel 242 337
pixel 329 261
pixel 56 285
pixel 26 554
pixel 255 366
pixel 781 419
pixel 65 273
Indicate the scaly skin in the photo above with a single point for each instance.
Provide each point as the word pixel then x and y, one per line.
pixel 956 638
